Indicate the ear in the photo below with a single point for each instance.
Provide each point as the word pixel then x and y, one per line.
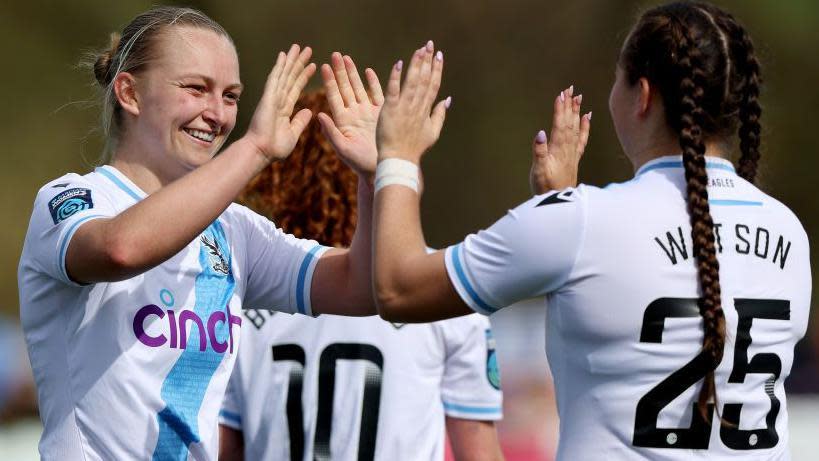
pixel 126 92
pixel 644 102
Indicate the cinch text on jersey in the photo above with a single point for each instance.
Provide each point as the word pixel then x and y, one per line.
pixel 742 238
pixel 178 328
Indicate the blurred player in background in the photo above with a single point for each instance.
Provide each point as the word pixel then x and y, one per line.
pixel 133 276
pixel 342 388
pixel 673 297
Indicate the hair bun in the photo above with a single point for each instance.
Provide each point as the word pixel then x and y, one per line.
pixel 102 65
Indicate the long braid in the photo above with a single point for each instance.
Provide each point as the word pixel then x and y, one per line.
pixel 692 117
pixel 750 80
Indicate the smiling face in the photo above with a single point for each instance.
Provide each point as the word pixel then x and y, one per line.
pixel 187 99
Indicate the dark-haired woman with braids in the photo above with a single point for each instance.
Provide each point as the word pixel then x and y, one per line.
pixel 133 276
pixel 675 299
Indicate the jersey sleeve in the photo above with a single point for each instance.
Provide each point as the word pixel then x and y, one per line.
pixel 528 253
pixel 279 267
pixel 60 208
pixel 470 388
pixel 230 414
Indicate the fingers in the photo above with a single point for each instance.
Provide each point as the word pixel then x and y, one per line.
pixel 425 78
pixel 333 95
pixel 575 116
pixel 376 95
pixel 394 83
pixel 355 80
pixel 298 86
pixel 300 121
pixel 540 145
pixel 585 129
pixel 328 127
pixel 413 74
pixel 342 79
pixel 439 115
pixel 435 80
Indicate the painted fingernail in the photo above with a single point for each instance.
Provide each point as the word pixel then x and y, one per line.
pixel 430 46
pixel 541 137
pixel 448 102
pixel 439 56
pixel 571 89
pixel 588 116
pixel 399 65
pixel 562 96
pixel 579 98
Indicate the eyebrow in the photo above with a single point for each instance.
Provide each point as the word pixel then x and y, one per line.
pixel 234 86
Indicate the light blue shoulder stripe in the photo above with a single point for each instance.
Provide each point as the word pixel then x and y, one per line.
pixel 456 261
pixel 302 277
pixel 118 183
pixel 67 238
pixel 231 417
pixel 471 409
pixel 679 164
pixel 734 203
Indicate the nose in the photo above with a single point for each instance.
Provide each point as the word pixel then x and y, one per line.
pixel 216 113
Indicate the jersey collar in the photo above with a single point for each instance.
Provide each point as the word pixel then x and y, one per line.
pixel 121 181
pixel 675 161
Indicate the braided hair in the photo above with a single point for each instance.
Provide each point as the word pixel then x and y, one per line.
pixel 702 62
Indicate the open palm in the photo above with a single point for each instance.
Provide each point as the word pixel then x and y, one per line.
pixel 355 112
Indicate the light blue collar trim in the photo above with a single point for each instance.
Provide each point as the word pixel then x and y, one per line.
pixel 121 181
pixel 675 161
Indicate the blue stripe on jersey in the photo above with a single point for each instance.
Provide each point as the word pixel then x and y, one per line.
pixel 231 417
pixel 456 260
pixel 184 388
pixel 114 179
pixel 472 410
pixel 302 277
pixel 67 238
pixel 679 164
pixel 734 202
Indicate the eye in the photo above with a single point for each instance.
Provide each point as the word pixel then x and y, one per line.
pixel 195 88
pixel 231 97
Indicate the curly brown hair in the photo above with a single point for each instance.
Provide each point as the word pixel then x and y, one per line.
pixel 312 193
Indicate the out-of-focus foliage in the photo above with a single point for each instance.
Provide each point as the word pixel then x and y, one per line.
pixel 505 61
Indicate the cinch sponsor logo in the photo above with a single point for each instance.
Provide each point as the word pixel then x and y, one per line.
pixel 178 326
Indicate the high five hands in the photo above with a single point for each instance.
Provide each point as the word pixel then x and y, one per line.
pixel 555 160
pixel 409 125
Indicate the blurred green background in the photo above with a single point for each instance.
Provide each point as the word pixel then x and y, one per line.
pixel 505 62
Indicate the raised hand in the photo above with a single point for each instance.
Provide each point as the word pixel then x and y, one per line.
pixel 272 130
pixel 355 111
pixel 555 161
pixel 409 125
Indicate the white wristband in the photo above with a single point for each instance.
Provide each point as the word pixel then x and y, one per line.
pixel 396 171
pixel 385 181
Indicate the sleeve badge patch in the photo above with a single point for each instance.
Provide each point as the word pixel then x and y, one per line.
pixel 69 202
pixel 492 368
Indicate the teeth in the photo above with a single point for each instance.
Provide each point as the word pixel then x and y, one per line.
pixel 204 136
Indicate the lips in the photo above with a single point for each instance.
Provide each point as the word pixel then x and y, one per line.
pixel 204 136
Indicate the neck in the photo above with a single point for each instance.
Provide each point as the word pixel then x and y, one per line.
pixel 138 164
pixel 671 146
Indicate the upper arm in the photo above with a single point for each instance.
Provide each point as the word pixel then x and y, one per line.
pixel 279 266
pixel 527 253
pixel 429 295
pixel 231 444
pixel 65 214
pixel 473 440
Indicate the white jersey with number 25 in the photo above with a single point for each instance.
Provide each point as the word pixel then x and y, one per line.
pixel 624 331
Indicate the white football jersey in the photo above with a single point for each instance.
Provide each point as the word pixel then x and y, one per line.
pixel 137 369
pixel 358 388
pixel 624 332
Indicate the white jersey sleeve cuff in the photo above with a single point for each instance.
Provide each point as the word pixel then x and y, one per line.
pixel 304 279
pixel 230 419
pixel 65 239
pixel 463 283
pixel 490 412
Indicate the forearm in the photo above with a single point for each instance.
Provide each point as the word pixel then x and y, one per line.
pixel 162 224
pixel 342 283
pixel 473 440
